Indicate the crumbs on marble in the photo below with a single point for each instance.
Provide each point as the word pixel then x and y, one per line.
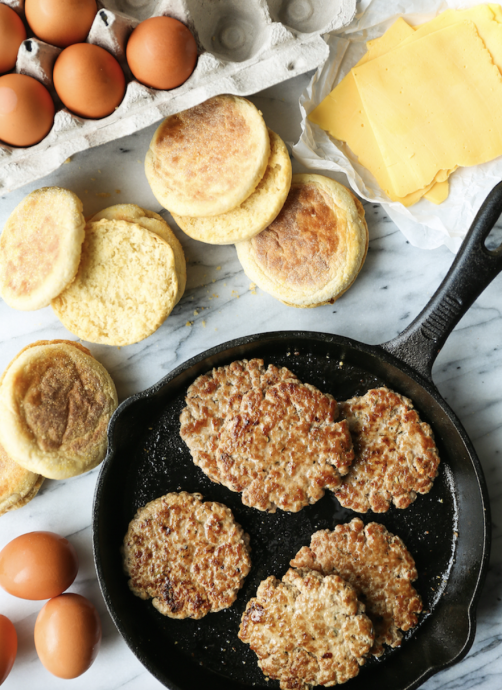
pixel 103 195
pixel 189 323
pixel 68 160
pixel 195 312
pixel 235 294
pixel 252 287
pixel 218 268
pixel 204 324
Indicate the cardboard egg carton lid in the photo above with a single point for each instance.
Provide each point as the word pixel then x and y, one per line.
pixel 244 46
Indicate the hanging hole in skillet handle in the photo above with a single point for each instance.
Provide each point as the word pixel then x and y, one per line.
pixel 473 269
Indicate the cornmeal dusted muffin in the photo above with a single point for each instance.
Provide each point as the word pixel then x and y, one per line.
pixel 189 557
pixel 395 453
pixel 55 404
pixel 206 160
pixel 256 212
pixel 307 630
pixel 125 288
pixel 314 249
pixel 155 223
pixel 264 433
pixel 40 247
pixel 379 567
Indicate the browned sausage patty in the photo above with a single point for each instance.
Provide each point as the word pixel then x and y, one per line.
pixel 264 433
pixel 379 567
pixel 395 453
pixel 307 630
pixel 190 557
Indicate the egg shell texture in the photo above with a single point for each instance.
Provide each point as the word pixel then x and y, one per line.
pixel 60 22
pixel 8 647
pixel 12 34
pixel 68 635
pixel 26 110
pixel 89 80
pixel 38 565
pixel 161 52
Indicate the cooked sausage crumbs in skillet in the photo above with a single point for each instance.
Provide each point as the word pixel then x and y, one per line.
pixel 395 453
pixel 307 630
pixel 190 557
pixel 379 567
pixel 264 433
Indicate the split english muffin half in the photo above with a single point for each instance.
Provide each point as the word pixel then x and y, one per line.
pixel 208 159
pixel 314 249
pixel 154 223
pixel 125 288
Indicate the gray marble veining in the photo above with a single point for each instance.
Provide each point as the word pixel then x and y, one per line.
pixel 396 282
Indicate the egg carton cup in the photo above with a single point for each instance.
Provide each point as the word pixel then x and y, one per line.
pixel 244 46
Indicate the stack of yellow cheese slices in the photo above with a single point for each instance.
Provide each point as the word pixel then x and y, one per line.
pixel 422 102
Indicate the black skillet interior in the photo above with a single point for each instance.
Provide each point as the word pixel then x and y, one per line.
pixel 444 530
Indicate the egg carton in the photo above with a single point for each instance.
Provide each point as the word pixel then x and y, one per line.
pixel 244 46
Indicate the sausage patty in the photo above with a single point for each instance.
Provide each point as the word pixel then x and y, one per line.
pixel 264 433
pixel 190 557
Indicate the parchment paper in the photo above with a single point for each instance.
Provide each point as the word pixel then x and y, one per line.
pixel 425 224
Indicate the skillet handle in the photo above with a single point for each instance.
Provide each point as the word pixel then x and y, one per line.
pixel 473 269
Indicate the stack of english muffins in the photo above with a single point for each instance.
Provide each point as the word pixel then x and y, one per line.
pixel 227 179
pixel 112 280
pixel 220 172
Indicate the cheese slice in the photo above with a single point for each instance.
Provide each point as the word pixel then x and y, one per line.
pixel 433 103
pixel 488 21
pixel 439 192
pixel 342 114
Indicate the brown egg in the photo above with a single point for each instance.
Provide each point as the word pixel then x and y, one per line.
pixel 161 52
pixel 68 635
pixel 89 80
pixel 8 647
pixel 26 110
pixel 38 565
pixel 12 34
pixel 60 22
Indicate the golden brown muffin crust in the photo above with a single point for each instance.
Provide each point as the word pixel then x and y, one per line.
pixel 62 403
pixel 56 401
pixel 299 244
pixel 206 160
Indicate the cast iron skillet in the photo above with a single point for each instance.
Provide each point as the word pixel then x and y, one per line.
pixel 447 531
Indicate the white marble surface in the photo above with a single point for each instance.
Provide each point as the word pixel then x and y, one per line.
pixel 396 281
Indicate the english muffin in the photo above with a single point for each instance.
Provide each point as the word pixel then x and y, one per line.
pixel 125 288
pixel 264 433
pixel 55 404
pixel 313 251
pixel 190 557
pixel 307 630
pixel 256 212
pixel 379 567
pixel 395 453
pixel 155 223
pixel 17 485
pixel 206 160
pixel 40 247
